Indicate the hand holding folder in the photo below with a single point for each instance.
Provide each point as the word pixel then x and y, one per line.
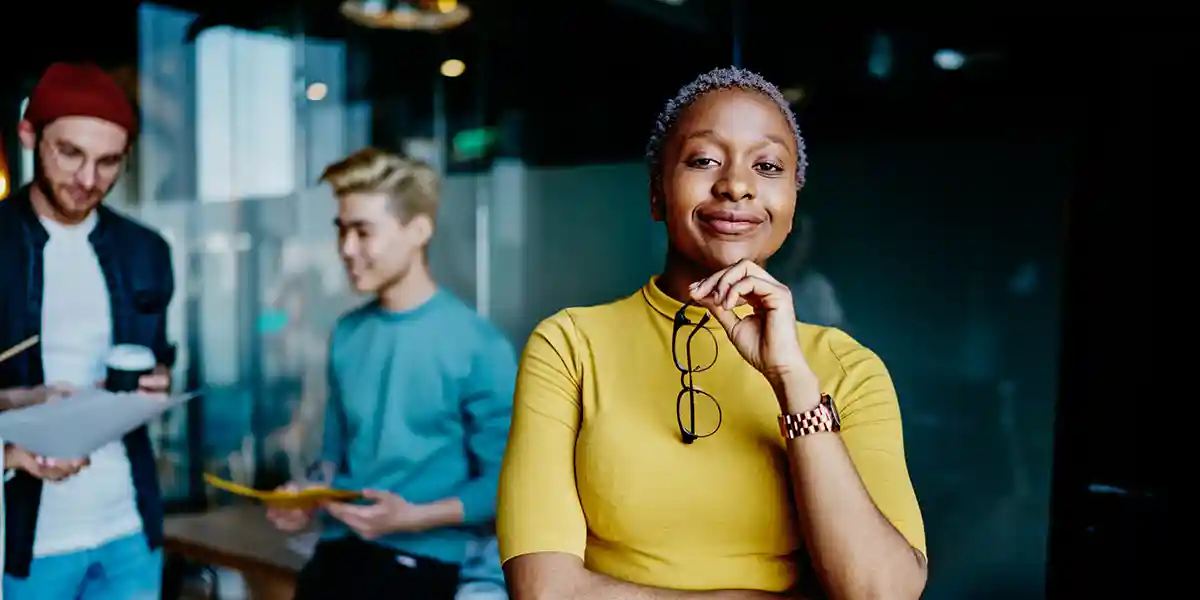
pixel 302 499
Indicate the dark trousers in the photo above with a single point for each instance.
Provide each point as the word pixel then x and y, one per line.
pixel 352 569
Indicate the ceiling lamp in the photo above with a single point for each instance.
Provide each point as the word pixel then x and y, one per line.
pixel 409 15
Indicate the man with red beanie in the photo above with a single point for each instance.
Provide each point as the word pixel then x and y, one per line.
pixel 84 278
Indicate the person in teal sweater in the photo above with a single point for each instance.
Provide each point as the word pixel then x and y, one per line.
pixel 420 402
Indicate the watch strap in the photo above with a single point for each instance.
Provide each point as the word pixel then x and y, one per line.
pixel 821 418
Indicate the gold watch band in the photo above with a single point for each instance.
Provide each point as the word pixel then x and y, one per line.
pixel 821 418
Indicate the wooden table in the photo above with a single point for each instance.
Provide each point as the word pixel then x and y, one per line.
pixel 238 538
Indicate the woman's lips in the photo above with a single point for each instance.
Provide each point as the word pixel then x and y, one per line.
pixel 730 222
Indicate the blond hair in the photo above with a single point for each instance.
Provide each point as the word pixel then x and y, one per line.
pixel 411 186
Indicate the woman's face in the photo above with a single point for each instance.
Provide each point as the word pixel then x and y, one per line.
pixel 728 189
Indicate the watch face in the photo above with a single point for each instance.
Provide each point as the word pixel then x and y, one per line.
pixel 837 419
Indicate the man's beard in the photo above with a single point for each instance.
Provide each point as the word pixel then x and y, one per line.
pixel 63 206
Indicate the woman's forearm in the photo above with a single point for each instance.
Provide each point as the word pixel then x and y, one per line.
pixel 607 588
pixel 558 576
pixel 856 552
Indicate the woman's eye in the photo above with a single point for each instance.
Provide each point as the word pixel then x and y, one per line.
pixel 769 167
pixel 702 162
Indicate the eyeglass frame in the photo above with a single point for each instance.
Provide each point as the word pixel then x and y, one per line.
pixel 686 374
pixel 98 166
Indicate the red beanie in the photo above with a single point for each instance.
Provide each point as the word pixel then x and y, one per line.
pixel 79 90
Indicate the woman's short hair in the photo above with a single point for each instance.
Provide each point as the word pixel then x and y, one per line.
pixel 720 79
pixel 412 186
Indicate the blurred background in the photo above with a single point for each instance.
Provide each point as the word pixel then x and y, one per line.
pixel 932 226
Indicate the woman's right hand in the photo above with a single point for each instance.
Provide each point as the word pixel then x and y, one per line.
pixel 290 520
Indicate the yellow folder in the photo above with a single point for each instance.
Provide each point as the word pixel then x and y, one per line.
pixel 305 498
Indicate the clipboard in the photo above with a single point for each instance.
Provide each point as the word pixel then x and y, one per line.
pixel 301 499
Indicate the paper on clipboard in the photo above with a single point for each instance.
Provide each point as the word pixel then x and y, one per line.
pixel 79 424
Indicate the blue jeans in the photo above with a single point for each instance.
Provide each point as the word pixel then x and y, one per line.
pixel 123 569
pixel 482 577
pixel 481 590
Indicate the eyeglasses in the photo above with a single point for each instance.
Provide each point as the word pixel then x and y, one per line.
pixel 72 160
pixel 687 426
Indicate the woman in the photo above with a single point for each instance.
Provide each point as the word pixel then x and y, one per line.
pixel 646 457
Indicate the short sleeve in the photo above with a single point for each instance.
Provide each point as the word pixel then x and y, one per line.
pixel 539 509
pixel 874 436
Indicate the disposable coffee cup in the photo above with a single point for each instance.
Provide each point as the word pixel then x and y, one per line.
pixel 127 363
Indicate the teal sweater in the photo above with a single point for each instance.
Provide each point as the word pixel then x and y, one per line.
pixel 420 404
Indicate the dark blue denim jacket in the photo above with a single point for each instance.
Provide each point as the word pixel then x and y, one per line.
pixel 137 267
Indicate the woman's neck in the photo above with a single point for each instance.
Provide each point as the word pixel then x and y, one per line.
pixel 678 274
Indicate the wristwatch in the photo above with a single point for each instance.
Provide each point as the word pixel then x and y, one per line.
pixel 823 417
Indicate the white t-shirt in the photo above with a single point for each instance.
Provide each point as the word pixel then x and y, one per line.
pixel 98 504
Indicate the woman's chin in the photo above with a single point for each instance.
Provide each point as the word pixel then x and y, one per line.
pixel 726 257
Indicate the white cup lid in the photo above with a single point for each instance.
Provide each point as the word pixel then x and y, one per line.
pixel 131 357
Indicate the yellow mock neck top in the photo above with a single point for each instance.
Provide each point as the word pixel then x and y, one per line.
pixel 595 466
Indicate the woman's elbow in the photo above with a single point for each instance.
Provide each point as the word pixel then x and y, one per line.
pixel 900 579
pixel 904 581
pixel 545 576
